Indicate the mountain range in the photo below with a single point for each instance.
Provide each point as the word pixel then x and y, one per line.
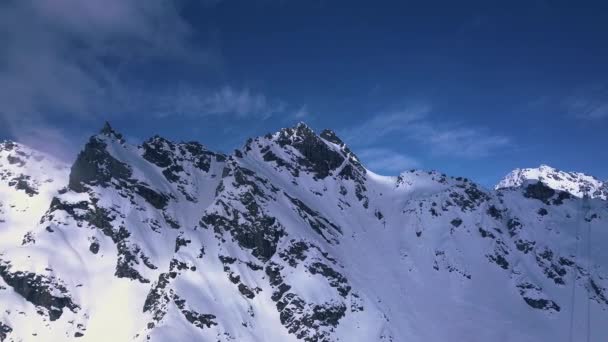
pixel 292 238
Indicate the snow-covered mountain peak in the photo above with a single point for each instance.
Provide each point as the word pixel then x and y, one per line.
pixel 576 183
pixel 299 150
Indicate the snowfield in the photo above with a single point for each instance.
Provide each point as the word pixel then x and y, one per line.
pixel 291 238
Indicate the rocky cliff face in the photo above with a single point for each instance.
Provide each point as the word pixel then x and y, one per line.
pixel 290 238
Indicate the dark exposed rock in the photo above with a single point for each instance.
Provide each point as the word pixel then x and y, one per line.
pixel 246 291
pixel 513 225
pixel 317 157
pixel 170 221
pixel 295 253
pixel 494 212
pixel 102 218
pixel 146 260
pixel 95 166
pixel 158 298
pixel 161 295
pixel 273 271
pixel 456 222
pixel 470 199
pixel 250 227
pixel 539 191
pixel 199 320
pixel 591 217
pixel 28 239
pixel 5 330
pixel 318 223
pixel 226 260
pixel 156 153
pixel 542 304
pixel 108 131
pixel 561 196
pixel 532 295
pixel 15 160
pixel 270 156
pixel 42 291
pixel 94 247
pixel 484 233
pixel 336 279
pixel 157 200
pixel 499 260
pixel 169 156
pixel 261 236
pixel 331 136
pixel 597 292
pixel 542 212
pixel 552 269
pixel 181 242
pixel 23 182
pixel 525 246
pixel 305 320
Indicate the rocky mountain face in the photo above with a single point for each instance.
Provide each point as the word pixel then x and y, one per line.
pixel 289 238
pixel 575 183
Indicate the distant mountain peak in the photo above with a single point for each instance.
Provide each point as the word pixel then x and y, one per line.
pixel 576 183
pixel 108 131
pixel 302 125
pixel 299 130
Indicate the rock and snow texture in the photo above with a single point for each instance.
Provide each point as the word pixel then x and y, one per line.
pixel 28 181
pixel 575 183
pixel 290 238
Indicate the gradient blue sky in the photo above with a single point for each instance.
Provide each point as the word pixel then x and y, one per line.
pixel 467 88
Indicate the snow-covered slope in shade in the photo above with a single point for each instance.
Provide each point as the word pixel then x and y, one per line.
pixel 575 183
pixel 291 239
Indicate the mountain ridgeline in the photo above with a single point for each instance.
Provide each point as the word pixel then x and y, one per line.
pixel 291 238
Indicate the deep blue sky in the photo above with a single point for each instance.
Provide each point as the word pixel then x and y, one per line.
pixel 467 88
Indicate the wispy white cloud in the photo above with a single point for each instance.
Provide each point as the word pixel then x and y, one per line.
pixel 468 142
pixel 45 138
pixel 301 113
pixel 224 101
pixel 66 56
pixel 590 106
pixel 385 124
pixel 385 160
pixel 414 123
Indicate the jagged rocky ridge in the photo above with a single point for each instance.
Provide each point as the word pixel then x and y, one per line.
pixel 290 238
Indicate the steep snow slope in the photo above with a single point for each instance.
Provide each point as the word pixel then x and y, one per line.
pixel 575 183
pixel 291 239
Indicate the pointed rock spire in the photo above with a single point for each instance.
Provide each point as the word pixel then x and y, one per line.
pixel 108 131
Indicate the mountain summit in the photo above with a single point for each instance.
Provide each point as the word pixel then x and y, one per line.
pixel 290 238
pixel 576 183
